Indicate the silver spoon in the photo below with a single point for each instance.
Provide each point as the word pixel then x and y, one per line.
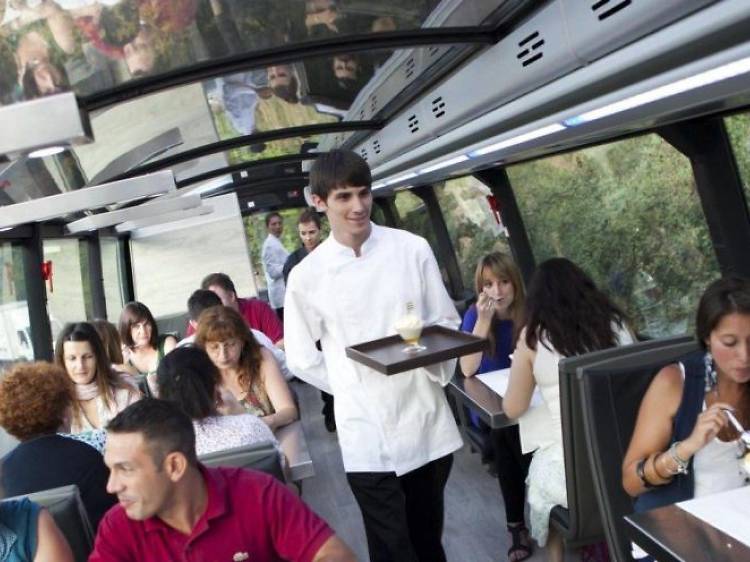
pixel 744 434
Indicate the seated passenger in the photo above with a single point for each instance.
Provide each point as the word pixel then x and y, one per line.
pixel 29 534
pixel 247 370
pixel 143 347
pixel 202 299
pixel 565 315
pixel 188 378
pixel 256 313
pixel 170 504
pixel 499 308
pixel 683 445
pixel 35 401
pixel 112 344
pixel 99 393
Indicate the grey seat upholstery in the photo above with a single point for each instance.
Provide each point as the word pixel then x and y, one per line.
pixel 581 522
pixel 67 509
pixel 261 456
pixel 612 391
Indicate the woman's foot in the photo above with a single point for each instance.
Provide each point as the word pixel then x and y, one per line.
pixel 521 547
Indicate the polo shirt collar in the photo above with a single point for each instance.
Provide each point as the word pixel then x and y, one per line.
pixel 216 505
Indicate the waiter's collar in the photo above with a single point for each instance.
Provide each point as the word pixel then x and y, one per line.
pixel 376 232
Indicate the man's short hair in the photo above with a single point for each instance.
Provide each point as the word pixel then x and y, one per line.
pixel 220 280
pixel 199 301
pixel 309 215
pixel 269 216
pixel 165 428
pixel 337 169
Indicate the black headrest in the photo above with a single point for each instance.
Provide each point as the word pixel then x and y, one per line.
pixel 67 509
pixel 260 456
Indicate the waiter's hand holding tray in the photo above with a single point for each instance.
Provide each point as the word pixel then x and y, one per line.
pixel 412 349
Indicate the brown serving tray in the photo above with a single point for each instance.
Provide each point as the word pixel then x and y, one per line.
pixel 386 355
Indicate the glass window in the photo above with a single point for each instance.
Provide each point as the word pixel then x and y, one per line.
pixel 413 216
pixel 627 212
pixel 112 277
pixel 472 226
pixel 15 330
pixel 738 128
pixel 66 296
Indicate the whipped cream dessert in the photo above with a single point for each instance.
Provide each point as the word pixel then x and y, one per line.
pixel 409 327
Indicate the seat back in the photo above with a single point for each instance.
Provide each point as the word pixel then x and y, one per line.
pixel 611 392
pixel 67 509
pixel 581 523
pixel 260 456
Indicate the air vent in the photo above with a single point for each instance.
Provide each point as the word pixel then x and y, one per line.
pixel 362 114
pixel 413 123
pixel 530 49
pixel 433 50
pixel 376 146
pixel 438 107
pixel 373 104
pixel 607 8
pixel 409 68
pixel 363 153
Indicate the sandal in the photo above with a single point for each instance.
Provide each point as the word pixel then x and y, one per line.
pixel 521 546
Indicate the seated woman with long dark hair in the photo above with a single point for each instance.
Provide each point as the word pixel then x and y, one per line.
pixel 246 369
pixel 143 347
pixel 188 377
pixel 684 445
pixel 565 315
pixel 99 393
pixel 35 401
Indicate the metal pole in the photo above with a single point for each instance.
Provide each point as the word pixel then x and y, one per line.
pixel 36 295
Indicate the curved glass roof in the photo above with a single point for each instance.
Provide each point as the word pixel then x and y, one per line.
pixel 200 86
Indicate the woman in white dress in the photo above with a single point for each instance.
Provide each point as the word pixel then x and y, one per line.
pixel 566 315
pixel 188 377
pixel 99 392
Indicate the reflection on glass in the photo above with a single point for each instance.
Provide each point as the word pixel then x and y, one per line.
pixel 47 46
pixel 15 330
pixel 66 297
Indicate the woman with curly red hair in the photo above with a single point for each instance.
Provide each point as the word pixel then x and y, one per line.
pixel 35 401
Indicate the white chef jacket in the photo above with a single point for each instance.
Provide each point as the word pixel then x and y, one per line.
pixel 385 423
pixel 274 257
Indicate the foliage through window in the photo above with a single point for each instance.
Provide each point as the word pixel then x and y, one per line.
pixel 738 128
pixel 627 212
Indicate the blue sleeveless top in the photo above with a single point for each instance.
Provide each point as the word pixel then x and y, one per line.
pixel 18 530
pixel 693 393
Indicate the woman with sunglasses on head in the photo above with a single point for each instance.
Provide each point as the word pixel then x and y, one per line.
pixel 247 369
pixel 495 316
pixel 685 443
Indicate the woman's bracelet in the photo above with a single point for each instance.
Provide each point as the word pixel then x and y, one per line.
pixel 682 464
pixel 642 474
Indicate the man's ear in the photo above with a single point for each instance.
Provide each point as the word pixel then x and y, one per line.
pixel 319 203
pixel 175 465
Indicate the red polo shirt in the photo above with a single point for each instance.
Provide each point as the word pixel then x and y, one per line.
pixel 259 316
pixel 249 516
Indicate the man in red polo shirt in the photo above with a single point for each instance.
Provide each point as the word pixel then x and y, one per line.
pixel 257 314
pixel 173 508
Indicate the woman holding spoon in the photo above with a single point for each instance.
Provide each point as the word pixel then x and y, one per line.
pixel 496 316
pixel 685 442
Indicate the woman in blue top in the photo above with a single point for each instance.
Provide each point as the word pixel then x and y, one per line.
pixel 29 534
pixel 497 313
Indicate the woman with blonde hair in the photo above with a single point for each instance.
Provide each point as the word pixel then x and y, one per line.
pixel 246 369
pixel 99 393
pixel 496 316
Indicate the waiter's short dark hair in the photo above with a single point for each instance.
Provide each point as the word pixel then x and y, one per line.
pixel 337 169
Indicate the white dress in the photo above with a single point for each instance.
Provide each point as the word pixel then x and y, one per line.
pixel 541 430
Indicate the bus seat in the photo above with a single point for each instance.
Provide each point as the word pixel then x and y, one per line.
pixel 260 456
pixel 581 523
pixel 174 324
pixel 67 509
pixel 612 391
